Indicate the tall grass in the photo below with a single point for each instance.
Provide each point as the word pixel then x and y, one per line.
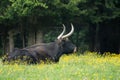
pixel 89 66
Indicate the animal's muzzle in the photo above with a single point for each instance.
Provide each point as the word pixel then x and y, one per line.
pixel 75 49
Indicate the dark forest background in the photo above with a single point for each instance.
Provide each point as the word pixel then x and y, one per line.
pixel 27 22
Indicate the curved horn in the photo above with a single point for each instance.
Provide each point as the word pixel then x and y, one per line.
pixel 60 36
pixel 70 33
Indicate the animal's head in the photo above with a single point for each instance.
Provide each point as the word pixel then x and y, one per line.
pixel 66 45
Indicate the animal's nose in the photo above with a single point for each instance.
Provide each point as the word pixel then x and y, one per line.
pixel 75 49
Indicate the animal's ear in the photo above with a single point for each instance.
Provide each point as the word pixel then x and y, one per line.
pixel 59 40
pixel 66 39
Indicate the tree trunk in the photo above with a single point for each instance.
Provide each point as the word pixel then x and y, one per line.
pixel 22 35
pixel 11 41
pixel 11 34
pixel 97 42
pixel 23 39
pixel 91 36
pixel 31 31
pixel 31 38
pixel 4 44
pixel 39 37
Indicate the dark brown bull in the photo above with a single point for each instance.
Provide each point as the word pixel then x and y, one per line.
pixel 45 51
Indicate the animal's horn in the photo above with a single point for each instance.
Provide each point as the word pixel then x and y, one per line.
pixel 60 36
pixel 70 33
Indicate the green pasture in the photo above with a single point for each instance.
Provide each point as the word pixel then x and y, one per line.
pixel 89 66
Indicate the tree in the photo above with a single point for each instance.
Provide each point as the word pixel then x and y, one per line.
pixel 32 17
pixel 13 13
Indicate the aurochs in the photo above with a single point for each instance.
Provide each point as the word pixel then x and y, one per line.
pixel 45 51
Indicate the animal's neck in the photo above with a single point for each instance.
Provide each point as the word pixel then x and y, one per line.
pixel 58 55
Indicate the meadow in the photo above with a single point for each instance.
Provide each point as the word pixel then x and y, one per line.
pixel 89 66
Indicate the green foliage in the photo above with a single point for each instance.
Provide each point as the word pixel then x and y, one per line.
pixel 48 38
pixel 1 52
pixel 93 11
pixel 19 8
pixel 37 12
